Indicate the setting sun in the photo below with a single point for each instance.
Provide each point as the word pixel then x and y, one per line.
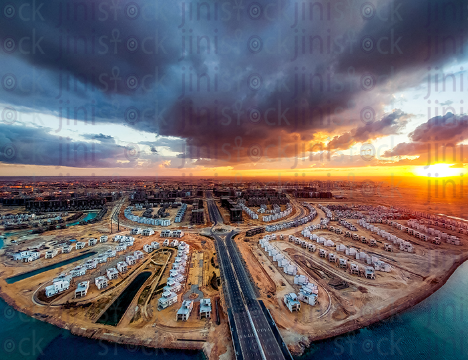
pixel 439 170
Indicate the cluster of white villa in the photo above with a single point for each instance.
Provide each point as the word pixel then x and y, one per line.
pixel 172 233
pixel 62 282
pixel 31 255
pixel 403 245
pixel 180 213
pixel 294 223
pixel 144 220
pixel 174 282
pixel 421 231
pixel 278 215
pixel 187 306
pixel 344 250
pixel 140 231
pixel 252 214
pixel 307 294
pixel 277 255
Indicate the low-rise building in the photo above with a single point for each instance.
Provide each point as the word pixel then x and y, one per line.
pixel 101 282
pixel 205 308
pixel 51 253
pixel 92 242
pixel 57 288
pixel 122 266
pixel 103 239
pixel 78 271
pixel 82 289
pixel 91 264
pixel 112 273
pixel 130 260
pixel 167 299
pixel 67 249
pixel 291 302
pixel 185 310
pixel 80 245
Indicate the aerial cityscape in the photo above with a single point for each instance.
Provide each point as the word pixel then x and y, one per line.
pixel 233 180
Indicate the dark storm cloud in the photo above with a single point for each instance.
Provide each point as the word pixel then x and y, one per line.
pixel 224 80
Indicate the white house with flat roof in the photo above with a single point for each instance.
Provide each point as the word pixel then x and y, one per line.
pixel 57 288
pixel 205 308
pixel 185 310
pixel 91 264
pixel 166 242
pixel 67 249
pixel 122 266
pixel 138 255
pixel 80 245
pixel 101 258
pixel 110 253
pixel 147 248
pixel 51 253
pixel 136 231
pixel 292 302
pixel 173 286
pixel 112 273
pixel 175 243
pixel 167 299
pixel 78 271
pixel 103 239
pixel 148 232
pixel 121 247
pixel 92 242
pixel 82 289
pixel 62 277
pixel 101 282
pixel 130 259
pixel 155 245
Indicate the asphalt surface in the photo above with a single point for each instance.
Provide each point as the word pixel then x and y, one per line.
pixel 253 329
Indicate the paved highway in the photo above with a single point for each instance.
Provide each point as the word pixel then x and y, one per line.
pixel 256 339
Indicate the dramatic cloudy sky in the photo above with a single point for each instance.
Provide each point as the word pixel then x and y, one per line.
pixel 232 87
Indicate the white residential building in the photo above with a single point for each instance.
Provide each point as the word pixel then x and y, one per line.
pixel 57 288
pixel 101 282
pixel 291 302
pixel 167 299
pixel 122 266
pixel 112 273
pixel 78 271
pixel 51 253
pixel 92 242
pixel 82 289
pixel 148 232
pixel 67 249
pixel 80 245
pixel 91 264
pixel 185 310
pixel 103 239
pixel 130 260
pixel 205 308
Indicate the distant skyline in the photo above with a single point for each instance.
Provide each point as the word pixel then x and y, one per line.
pixel 157 88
